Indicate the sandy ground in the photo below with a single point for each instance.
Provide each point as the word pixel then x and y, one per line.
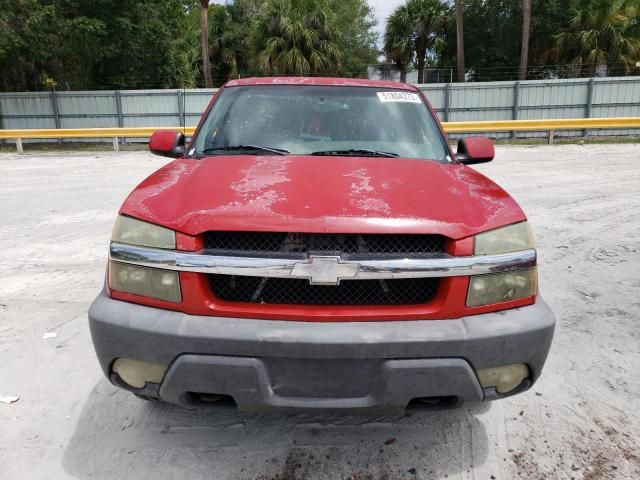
pixel 581 421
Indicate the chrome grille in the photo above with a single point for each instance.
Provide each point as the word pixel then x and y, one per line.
pixel 294 291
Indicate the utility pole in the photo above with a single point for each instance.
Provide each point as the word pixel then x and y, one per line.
pixel 204 33
pixel 526 31
pixel 460 40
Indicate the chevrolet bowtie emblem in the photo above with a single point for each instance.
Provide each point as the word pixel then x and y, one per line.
pixel 324 270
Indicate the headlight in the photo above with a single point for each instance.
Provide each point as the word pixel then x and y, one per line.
pixel 143 281
pixel 502 287
pixel 146 282
pixel 504 240
pixel 136 232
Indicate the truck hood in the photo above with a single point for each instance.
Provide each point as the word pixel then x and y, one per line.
pixel 321 194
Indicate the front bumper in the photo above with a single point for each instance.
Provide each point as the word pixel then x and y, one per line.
pixel 287 365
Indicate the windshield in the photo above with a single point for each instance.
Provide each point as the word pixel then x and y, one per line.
pixel 304 120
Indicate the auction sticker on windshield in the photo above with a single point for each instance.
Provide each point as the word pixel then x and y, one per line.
pixel 403 97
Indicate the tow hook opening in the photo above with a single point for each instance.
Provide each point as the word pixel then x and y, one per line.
pixel 200 398
pixel 434 403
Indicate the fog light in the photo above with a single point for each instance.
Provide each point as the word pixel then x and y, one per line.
pixel 136 373
pixel 505 378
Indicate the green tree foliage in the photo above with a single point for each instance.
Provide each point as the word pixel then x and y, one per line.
pixel 77 44
pixel 230 33
pixel 354 25
pixel 601 33
pixel 493 32
pixel 296 37
pixel 415 30
pixel 239 30
pixel 568 38
pixel 492 29
pixel 186 70
pixel 26 26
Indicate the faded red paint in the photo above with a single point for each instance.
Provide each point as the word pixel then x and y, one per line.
pixel 321 194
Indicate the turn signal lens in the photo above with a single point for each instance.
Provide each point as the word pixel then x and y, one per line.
pixel 136 232
pixel 146 282
pixel 504 240
pixel 502 287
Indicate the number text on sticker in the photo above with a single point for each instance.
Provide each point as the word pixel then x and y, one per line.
pixel 403 97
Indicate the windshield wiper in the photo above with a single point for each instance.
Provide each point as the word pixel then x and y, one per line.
pixel 356 152
pixel 239 148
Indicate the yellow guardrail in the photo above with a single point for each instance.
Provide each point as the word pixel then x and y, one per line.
pixel 450 127
pixel 114 133
pixel 89 132
pixel 542 125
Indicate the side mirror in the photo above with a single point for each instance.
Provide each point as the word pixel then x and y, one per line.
pixel 167 143
pixel 472 150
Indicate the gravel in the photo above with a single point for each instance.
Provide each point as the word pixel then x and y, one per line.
pixel 580 421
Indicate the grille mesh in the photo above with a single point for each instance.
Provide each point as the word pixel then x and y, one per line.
pixel 290 291
pixel 414 291
pixel 267 242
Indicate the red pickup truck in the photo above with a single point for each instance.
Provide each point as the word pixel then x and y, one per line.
pixel 319 246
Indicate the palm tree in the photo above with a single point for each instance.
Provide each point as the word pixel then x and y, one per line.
pixel 601 33
pixel 204 39
pixel 413 30
pixel 526 31
pixel 460 40
pixel 397 41
pixel 295 37
pixel 224 43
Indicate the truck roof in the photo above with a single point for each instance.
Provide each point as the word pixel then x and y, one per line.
pixel 326 81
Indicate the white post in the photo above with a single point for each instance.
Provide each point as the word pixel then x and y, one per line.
pixel 19 145
pixel 552 134
pixel 116 146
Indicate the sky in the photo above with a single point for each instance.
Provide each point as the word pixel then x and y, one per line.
pixel 383 9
